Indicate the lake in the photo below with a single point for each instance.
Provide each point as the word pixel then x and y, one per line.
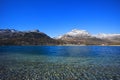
pixel 59 62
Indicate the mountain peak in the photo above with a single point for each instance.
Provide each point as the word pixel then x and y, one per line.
pixel 76 32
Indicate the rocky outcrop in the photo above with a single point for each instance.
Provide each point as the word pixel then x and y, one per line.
pixel 14 37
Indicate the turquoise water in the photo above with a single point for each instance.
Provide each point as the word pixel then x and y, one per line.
pixel 60 63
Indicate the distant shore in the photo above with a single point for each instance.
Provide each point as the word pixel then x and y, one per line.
pixel 87 45
pixel 61 45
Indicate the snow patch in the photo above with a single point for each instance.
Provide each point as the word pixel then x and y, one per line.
pixel 76 32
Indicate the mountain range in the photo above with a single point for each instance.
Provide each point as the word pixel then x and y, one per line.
pixel 84 33
pixel 74 37
pixel 33 37
pixel 77 36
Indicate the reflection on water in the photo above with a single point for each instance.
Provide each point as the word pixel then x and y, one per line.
pixel 60 62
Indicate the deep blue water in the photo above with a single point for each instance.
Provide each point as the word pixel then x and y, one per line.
pixel 109 55
pixel 60 62
pixel 65 51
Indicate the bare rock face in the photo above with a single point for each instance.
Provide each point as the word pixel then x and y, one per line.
pixel 34 37
pixel 12 33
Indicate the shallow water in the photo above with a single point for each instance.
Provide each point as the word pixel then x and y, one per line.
pixel 60 62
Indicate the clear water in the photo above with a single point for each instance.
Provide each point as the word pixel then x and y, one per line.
pixel 60 62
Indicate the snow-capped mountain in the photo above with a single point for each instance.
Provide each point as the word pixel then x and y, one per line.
pixel 76 36
pixel 111 37
pixel 75 33
pixel 78 33
pixel 108 36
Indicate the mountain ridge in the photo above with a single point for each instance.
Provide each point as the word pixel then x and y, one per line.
pixel 77 36
pixel 74 37
pixel 77 32
pixel 32 37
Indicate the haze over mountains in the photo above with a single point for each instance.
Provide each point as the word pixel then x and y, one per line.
pixel 75 36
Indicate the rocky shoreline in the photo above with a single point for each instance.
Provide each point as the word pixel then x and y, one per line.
pixel 36 68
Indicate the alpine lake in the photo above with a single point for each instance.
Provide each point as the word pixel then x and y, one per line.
pixel 59 62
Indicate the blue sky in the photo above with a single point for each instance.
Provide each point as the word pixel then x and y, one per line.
pixel 56 17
